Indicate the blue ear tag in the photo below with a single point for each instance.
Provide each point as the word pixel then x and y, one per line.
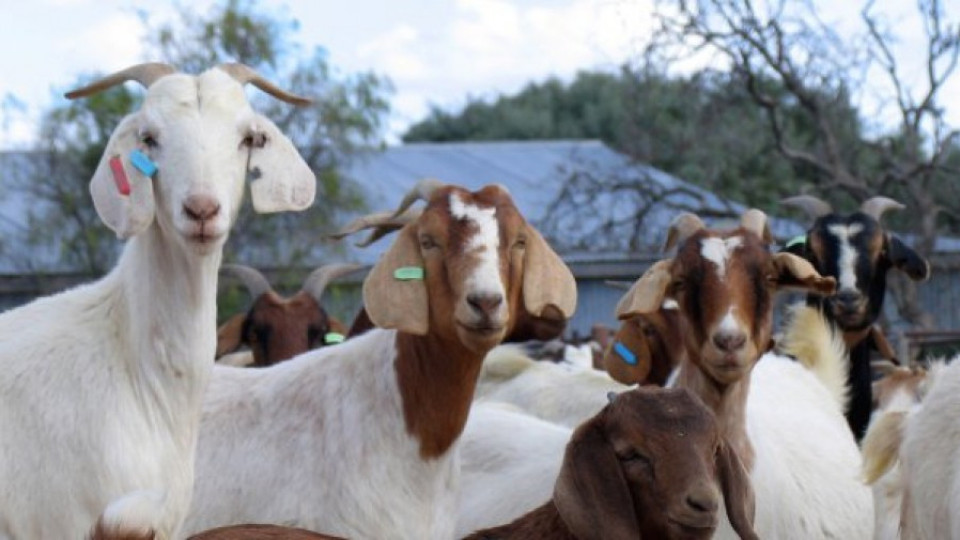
pixel 143 164
pixel 625 353
pixel 802 239
pixel 333 337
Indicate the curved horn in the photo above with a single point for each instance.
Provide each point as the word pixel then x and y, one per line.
pixel 318 280
pixel 875 207
pixel 251 278
pixel 682 227
pixel 422 190
pixel 756 221
pixel 145 74
pixel 244 74
pixel 382 224
pixel 814 207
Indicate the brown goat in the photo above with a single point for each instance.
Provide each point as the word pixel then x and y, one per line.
pixel 647 466
pixel 646 348
pixel 277 328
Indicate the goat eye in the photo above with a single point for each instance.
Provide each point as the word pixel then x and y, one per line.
pixel 255 139
pixel 147 139
pixel 634 457
pixel 520 243
pixel 427 242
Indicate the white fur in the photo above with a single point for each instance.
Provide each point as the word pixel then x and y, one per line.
pixel 930 460
pixel 320 442
pixel 100 386
pixel 718 251
pixel 486 277
pixel 806 471
pixel 848 255
pixel 548 391
pixel 510 464
pixel 134 513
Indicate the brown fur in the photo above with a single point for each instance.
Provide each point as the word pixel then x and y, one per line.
pixel 648 460
pixel 901 378
pixel 260 532
pixel 655 340
pixel 439 358
pixel 102 532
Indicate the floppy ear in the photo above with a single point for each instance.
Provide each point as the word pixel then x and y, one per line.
pixel 738 494
pixel 906 259
pixel 647 294
pixel 627 359
pixel 281 179
pixel 546 279
pixel 796 273
pixel 230 334
pixel 398 303
pixel 591 493
pixel 126 215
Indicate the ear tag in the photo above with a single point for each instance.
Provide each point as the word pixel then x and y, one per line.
pixel 119 175
pixel 625 353
pixel 408 273
pixel 331 338
pixel 802 239
pixel 143 164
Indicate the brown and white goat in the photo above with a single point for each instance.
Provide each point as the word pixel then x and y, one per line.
pixel 857 251
pixel 277 328
pixel 651 464
pixel 360 440
pixel 783 421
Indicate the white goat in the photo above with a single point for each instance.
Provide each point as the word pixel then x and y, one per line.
pixel 557 393
pixel 101 386
pixel 929 458
pixel 785 422
pixel 360 439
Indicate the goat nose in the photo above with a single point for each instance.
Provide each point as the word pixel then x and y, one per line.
pixel 485 304
pixel 703 499
pixel 201 207
pixel 848 298
pixel 729 341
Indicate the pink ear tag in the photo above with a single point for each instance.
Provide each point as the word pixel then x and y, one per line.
pixel 119 175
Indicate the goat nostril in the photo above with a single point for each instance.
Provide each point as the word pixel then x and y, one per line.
pixel 702 502
pixel 485 303
pixel 200 207
pixel 729 341
pixel 848 298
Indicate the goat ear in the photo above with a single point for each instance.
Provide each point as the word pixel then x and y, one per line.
pixel 546 279
pixel 906 259
pixel 280 179
pixel 627 359
pixel 797 273
pixel 126 215
pixel 398 303
pixel 591 493
pixel 647 294
pixel 881 445
pixel 230 334
pixel 738 494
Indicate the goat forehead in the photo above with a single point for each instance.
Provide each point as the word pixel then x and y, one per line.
pixel 486 235
pixel 719 251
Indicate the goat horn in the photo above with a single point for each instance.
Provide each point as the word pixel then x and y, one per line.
pixel 621 285
pixel 756 221
pixel 875 207
pixel 682 227
pixel 318 280
pixel 422 190
pixel 251 278
pixel 814 207
pixel 145 74
pixel 244 74
pixel 382 224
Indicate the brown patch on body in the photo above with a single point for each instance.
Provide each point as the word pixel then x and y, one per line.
pixel 104 532
pixel 260 532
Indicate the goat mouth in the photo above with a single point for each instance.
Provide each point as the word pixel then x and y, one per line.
pixel 485 330
pixel 698 523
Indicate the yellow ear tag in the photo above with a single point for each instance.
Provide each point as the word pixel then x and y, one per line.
pixel 408 273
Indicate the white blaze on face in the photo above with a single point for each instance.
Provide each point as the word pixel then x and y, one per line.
pixel 485 243
pixel 718 251
pixel 729 323
pixel 846 266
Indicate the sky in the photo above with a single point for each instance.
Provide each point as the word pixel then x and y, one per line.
pixel 436 52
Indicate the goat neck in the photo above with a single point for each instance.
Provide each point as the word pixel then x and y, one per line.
pixel 537 523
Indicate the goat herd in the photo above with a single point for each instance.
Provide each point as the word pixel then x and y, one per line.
pixel 417 422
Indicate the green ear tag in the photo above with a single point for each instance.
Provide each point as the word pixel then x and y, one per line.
pixel 333 337
pixel 407 273
pixel 802 239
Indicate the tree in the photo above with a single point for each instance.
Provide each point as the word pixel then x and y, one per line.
pixel 912 160
pixel 346 115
